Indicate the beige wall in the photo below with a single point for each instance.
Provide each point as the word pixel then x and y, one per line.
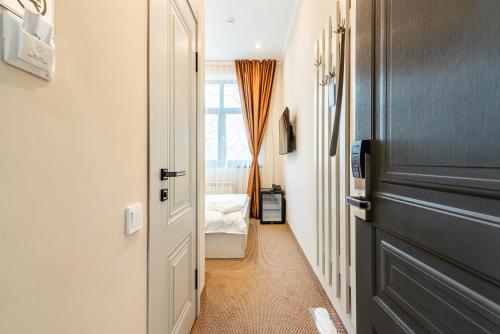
pixel 73 154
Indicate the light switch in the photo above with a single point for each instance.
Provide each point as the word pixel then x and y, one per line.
pixel 133 218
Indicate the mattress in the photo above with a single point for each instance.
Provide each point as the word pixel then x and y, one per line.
pixel 233 222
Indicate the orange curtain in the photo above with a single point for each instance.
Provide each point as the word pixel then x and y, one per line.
pixel 255 82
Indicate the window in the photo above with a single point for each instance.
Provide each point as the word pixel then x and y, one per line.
pixel 225 135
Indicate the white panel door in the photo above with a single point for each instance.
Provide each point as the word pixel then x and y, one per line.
pixel 173 103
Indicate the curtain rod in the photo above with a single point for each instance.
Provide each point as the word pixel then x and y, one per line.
pixel 208 61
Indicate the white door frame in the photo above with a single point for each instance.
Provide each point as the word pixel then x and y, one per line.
pixel 155 5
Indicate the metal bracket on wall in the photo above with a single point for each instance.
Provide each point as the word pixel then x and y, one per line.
pixel 340 28
pixel 318 62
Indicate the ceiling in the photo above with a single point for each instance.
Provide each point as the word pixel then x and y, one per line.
pixel 264 23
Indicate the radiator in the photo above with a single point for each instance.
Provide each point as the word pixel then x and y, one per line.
pixel 219 188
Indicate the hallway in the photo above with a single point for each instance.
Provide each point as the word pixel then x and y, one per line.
pixel 269 291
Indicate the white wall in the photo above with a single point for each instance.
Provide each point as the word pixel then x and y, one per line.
pixel 272 169
pixel 73 155
pixel 298 168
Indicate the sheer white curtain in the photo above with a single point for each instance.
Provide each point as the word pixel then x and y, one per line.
pixel 226 147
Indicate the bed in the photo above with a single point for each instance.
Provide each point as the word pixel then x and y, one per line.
pixel 226 232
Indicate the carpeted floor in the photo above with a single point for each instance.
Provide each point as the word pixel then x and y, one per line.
pixel 269 291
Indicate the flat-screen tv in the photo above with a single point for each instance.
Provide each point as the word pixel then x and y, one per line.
pixel 286 133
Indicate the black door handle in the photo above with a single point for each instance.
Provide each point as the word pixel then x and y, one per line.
pixel 359 202
pixel 165 174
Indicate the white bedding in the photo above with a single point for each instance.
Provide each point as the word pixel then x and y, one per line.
pixel 218 222
pixel 225 206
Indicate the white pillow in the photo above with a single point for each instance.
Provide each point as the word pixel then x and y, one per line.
pixel 225 206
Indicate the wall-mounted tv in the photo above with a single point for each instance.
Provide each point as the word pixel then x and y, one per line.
pixel 286 133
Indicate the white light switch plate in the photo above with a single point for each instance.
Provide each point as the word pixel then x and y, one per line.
pixel 133 218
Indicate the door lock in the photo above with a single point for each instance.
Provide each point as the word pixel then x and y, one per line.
pixel 360 166
pixel 359 151
pixel 163 195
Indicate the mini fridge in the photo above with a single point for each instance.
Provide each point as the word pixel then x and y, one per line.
pixel 272 206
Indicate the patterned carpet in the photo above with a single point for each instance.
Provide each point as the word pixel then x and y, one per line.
pixel 269 291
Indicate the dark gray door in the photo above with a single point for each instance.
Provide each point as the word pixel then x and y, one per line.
pixel 428 95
